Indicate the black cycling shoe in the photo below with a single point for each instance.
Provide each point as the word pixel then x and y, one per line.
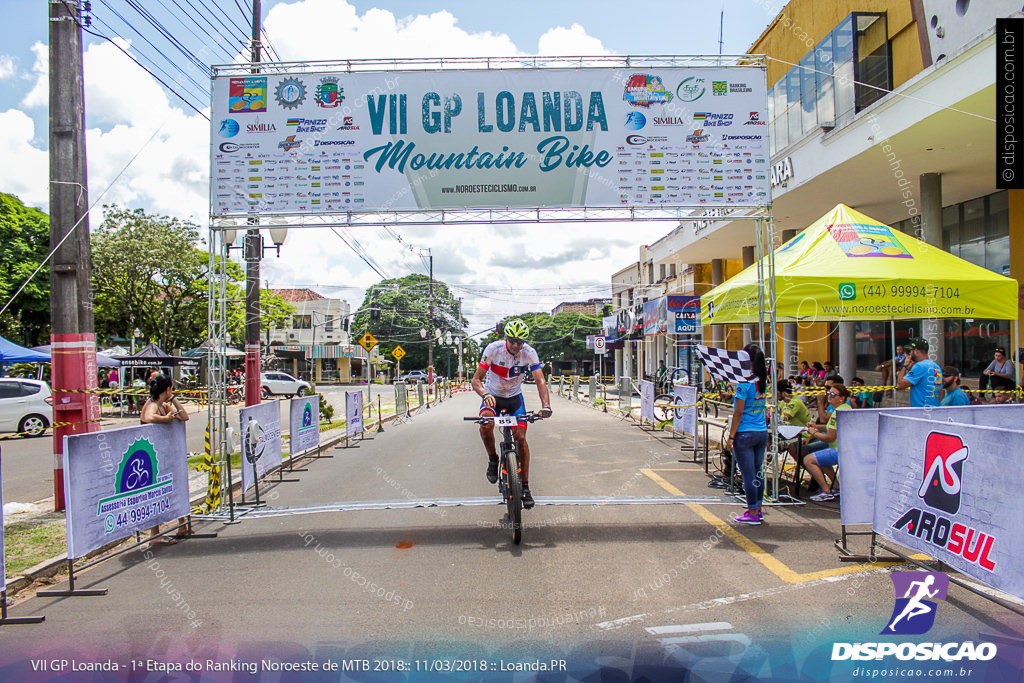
pixel 528 501
pixel 492 471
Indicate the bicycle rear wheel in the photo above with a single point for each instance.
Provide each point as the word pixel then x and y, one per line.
pixel 663 413
pixel 514 495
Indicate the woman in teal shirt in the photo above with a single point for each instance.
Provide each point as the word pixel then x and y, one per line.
pixel 748 434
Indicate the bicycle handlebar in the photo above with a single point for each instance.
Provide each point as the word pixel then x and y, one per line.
pixel 525 417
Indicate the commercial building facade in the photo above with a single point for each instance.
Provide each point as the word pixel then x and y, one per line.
pixel 887 106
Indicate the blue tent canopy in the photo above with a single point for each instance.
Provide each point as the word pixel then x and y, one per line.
pixel 12 353
pixel 101 360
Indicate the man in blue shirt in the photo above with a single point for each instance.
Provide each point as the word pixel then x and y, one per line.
pixel 921 375
pixel 954 395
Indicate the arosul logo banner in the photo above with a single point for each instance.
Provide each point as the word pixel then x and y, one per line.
pixel 938 491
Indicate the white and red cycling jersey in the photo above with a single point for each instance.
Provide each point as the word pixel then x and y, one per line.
pixel 507 371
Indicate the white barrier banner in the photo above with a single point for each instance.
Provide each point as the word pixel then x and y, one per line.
pixel 354 411
pixel 685 419
pixel 858 444
pixel 306 142
pixel 304 423
pixel 401 399
pixel 260 430
pixel 946 489
pixel 120 481
pixel 646 400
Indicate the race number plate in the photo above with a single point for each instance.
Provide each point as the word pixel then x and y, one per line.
pixel 505 420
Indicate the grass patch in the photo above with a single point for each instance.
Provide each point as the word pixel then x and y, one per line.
pixel 26 544
pixel 196 460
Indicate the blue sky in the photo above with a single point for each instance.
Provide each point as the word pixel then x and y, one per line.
pixel 127 111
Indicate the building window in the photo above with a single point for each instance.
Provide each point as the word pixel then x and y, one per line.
pixel 872 62
pixel 302 322
pixel 328 324
pixel 850 69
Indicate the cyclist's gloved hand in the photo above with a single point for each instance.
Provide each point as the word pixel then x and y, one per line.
pixel 545 412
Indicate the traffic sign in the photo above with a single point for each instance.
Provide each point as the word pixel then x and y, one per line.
pixel 600 345
pixel 398 353
pixel 368 341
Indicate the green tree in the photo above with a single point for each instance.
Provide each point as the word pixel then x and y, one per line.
pixel 403 304
pixel 24 243
pixel 150 273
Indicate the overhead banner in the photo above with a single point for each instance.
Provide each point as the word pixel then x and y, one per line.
pixel 354 412
pixel 313 142
pixel 304 424
pixel 120 481
pixel 939 490
pixel 260 430
pixel 859 447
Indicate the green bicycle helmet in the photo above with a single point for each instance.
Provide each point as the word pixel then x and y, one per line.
pixel 517 329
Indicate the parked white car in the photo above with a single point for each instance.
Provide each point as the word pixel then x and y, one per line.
pixel 26 406
pixel 281 383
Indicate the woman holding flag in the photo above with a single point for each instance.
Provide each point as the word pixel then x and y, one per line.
pixel 748 434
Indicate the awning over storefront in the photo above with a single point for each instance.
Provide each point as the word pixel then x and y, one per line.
pixel 848 266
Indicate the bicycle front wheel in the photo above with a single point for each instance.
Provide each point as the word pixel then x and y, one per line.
pixel 514 495
pixel 663 413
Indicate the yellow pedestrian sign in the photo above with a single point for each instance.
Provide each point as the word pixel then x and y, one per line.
pixel 398 353
pixel 368 341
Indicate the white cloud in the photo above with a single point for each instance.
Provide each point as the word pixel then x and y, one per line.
pixel 25 172
pixel 7 67
pixel 125 105
pixel 570 41
pixel 327 29
pixel 39 95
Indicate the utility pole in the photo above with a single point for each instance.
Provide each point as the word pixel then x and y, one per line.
pixel 72 332
pixel 430 322
pixel 253 253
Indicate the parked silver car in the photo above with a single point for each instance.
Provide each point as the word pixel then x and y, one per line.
pixel 281 383
pixel 26 406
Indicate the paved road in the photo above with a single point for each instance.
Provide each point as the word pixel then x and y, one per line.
pixel 28 462
pixel 612 586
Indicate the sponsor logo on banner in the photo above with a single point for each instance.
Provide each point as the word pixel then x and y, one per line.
pixel 697 136
pixel 719 88
pixel 138 486
pixel 691 89
pixel 940 488
pixel 328 94
pixel 234 146
pixel 643 90
pixel 641 140
pixel 711 119
pixel 742 137
pixel 670 121
pixel 259 127
pixel 228 128
pixel 247 95
pixel 913 613
pixel 289 143
pixel 301 125
pixel 347 123
pixel 754 120
pixel 326 143
pixel 290 93
pixel 635 120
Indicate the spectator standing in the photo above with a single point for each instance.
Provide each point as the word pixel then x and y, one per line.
pixel 162 406
pixel 921 375
pixel 748 434
pixel 1000 375
pixel 953 394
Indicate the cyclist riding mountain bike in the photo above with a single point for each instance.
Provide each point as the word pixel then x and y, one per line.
pixel 499 380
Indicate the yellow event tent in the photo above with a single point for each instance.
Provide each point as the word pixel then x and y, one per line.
pixel 847 266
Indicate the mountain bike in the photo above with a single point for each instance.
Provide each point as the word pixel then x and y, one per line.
pixel 666 395
pixel 510 470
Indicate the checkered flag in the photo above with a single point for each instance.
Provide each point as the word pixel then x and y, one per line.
pixel 726 366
